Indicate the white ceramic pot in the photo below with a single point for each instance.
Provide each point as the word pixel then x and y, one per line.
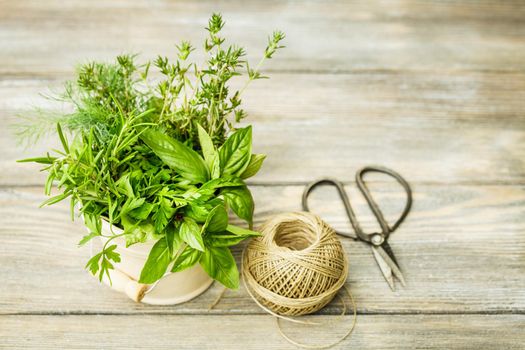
pixel 173 288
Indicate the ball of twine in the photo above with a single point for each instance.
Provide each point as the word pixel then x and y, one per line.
pixel 297 266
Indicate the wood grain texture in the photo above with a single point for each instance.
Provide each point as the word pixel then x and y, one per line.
pixel 433 89
pixel 251 332
pixel 445 128
pixel 461 250
pixel 48 38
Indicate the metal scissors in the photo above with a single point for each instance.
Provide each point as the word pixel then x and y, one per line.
pixel 378 241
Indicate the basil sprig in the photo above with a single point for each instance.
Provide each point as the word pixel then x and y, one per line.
pixel 203 233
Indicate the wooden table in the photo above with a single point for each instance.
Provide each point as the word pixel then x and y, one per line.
pixel 433 89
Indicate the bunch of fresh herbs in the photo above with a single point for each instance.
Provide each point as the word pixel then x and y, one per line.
pixel 159 159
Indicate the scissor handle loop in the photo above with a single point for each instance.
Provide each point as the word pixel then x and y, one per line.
pixel 359 233
pixel 385 227
pixel 344 197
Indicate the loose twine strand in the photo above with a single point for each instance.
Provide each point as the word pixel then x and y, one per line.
pixel 296 267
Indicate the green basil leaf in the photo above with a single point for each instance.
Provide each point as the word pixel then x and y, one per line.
pixel 241 232
pixel 225 181
pixel 223 239
pixel 215 166
pixel 219 264
pixel 241 201
pixel 170 238
pixel 233 236
pixel 217 220
pixel 190 232
pixel 158 260
pixel 173 231
pixel 188 163
pixel 236 152
pixel 254 165
pixel 186 259
pixel 208 149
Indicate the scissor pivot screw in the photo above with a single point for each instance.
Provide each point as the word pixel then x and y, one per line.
pixel 377 239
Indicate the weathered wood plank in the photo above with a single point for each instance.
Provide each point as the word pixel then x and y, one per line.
pixel 461 250
pixel 250 332
pixel 432 127
pixel 49 38
pixel 434 89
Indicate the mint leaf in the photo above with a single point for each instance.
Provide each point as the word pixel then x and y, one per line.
pixel 190 233
pixel 219 264
pixel 188 163
pixel 235 153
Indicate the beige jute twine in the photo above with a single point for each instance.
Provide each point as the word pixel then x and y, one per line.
pixel 296 267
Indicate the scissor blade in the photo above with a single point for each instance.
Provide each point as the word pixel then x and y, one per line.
pixel 389 251
pixel 390 260
pixel 385 268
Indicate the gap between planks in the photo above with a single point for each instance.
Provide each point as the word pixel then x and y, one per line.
pixel 52 76
pixel 262 312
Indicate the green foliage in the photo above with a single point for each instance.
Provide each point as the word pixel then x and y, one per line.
pixel 159 159
pixel 255 164
pixel 241 202
pixel 177 156
pixel 236 152
pixel 219 263
pixel 158 260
